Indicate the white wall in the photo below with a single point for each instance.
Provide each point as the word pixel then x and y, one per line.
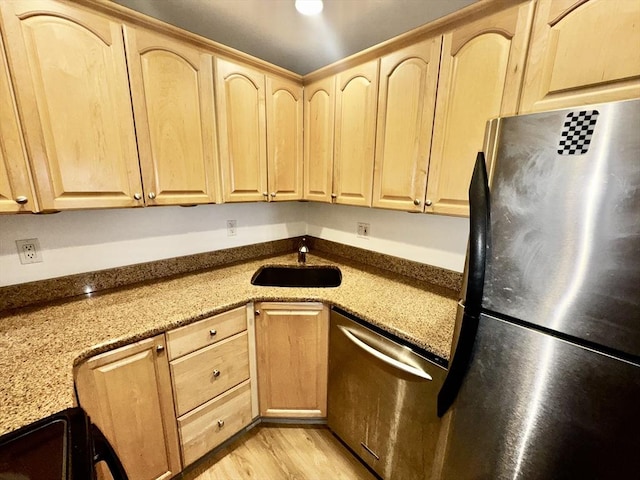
pixel 83 241
pixel 432 239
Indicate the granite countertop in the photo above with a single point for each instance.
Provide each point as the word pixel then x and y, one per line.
pixel 40 345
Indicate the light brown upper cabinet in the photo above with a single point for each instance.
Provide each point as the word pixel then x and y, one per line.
pixel 284 139
pixel 480 78
pixel 69 71
pixel 582 53
pixel 406 102
pixel 16 194
pixel 319 114
pixel 172 92
pixel 355 134
pixel 240 100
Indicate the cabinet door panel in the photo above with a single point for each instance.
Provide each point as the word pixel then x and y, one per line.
pixel 319 113
pixel 355 131
pixel 127 393
pixel 14 170
pixel 73 95
pixel 581 53
pixel 243 151
pixel 172 91
pixel 292 345
pixel 406 104
pixel 480 78
pixel 284 139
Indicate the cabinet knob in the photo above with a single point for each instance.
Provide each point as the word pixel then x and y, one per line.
pixel 213 332
pixel 334 196
pixel 416 202
pixel 137 196
pixel 428 203
pixel 257 312
pixel 21 200
pixel 220 423
pixel 159 348
pixel 273 194
pixel 265 194
pixel 216 373
pixel 152 195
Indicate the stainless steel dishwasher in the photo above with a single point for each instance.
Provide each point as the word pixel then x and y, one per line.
pixel 382 400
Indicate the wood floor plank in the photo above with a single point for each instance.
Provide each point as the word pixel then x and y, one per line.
pixel 283 453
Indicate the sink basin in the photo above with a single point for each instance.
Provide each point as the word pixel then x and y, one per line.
pixel 297 276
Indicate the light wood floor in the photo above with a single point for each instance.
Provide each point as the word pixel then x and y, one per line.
pixel 283 453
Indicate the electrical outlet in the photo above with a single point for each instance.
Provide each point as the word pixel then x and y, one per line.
pixel 29 250
pixel 363 230
pixel 232 228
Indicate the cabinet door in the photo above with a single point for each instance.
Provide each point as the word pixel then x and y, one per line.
pixel 127 393
pixel 582 53
pixel 292 341
pixel 406 103
pixel 172 92
pixel 480 78
pixel 16 194
pixel 243 138
pixel 319 113
pixel 72 93
pixel 355 134
pixel 284 139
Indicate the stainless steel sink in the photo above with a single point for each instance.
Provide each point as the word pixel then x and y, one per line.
pixel 297 276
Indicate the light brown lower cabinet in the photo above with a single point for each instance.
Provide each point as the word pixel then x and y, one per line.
pixel 127 393
pixel 292 341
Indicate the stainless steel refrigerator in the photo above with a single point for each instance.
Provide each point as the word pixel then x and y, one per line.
pixel 544 382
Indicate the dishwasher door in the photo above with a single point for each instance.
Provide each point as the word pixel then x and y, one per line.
pixel 382 400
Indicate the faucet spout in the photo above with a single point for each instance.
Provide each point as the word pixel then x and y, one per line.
pixel 302 252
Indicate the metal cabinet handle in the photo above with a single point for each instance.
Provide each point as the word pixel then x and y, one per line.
pixel 257 312
pixel 137 196
pixel 213 332
pixel 334 196
pixel 428 203
pixel 220 423
pixel 152 195
pixel 21 200
pixel 265 194
pixel 216 373
pixel 273 194
pixel 159 348
pixel 385 358
pixel 416 202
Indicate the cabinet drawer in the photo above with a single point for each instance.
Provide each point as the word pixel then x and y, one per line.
pixel 212 423
pixel 202 375
pixel 192 337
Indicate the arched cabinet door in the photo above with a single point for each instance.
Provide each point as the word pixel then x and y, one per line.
pixel 72 92
pixel 284 139
pixel 355 134
pixel 240 101
pixel 480 78
pixel 582 52
pixel 172 92
pixel 406 102
pixel 319 115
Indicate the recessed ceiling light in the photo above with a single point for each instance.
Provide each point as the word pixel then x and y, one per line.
pixel 309 7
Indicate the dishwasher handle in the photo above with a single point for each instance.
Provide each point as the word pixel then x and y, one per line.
pixel 383 357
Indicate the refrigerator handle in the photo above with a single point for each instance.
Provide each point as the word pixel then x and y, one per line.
pixel 478 236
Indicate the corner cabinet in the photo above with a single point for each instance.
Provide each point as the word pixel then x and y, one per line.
pixel 319 115
pixel 292 341
pixel 127 393
pixel 16 193
pixel 172 92
pixel 582 52
pixel 406 102
pixel 355 134
pixel 69 69
pixel 481 72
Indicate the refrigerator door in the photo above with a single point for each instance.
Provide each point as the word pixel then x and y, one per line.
pixel 564 243
pixel 536 407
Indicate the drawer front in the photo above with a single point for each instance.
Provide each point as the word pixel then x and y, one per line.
pixel 207 426
pixel 202 375
pixel 206 332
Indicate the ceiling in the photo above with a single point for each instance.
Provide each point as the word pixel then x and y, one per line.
pixel 274 31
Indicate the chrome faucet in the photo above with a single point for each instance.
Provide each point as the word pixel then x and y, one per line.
pixel 302 252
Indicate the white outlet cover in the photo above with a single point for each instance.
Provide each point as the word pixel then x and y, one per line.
pixel 29 251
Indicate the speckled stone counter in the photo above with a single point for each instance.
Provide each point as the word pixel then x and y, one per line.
pixel 40 345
